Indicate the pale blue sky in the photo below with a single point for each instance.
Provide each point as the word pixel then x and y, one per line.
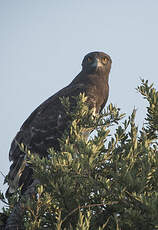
pixel 42 44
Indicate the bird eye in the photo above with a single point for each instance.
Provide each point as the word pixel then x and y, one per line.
pixel 89 59
pixel 104 60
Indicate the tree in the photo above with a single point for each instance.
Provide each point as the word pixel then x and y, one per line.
pixel 107 181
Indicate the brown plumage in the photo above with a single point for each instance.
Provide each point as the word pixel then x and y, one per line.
pixel 48 122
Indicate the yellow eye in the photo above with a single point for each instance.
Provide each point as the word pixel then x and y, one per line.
pixel 89 59
pixel 104 60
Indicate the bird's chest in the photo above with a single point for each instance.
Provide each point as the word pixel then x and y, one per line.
pixel 97 95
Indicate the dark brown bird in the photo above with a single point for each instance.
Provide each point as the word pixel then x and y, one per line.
pixel 47 123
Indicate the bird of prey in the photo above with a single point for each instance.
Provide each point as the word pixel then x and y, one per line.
pixel 47 122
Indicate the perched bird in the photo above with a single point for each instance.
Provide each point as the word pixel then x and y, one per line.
pixel 47 122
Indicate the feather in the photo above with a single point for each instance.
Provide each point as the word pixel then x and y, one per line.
pixel 47 123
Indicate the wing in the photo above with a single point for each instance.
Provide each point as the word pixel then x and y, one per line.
pixel 39 132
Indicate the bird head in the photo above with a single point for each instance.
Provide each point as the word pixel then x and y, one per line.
pixel 96 62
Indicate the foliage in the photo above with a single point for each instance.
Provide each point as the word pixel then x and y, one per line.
pixel 107 181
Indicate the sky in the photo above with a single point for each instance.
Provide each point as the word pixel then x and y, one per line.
pixel 43 42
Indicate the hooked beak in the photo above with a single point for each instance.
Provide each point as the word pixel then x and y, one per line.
pixel 96 63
